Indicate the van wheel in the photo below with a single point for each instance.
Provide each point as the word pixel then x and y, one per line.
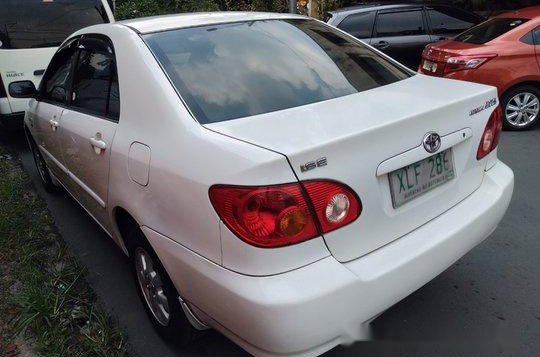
pixel 158 294
pixel 43 170
pixel 521 107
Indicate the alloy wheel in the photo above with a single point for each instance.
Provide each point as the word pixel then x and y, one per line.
pixel 522 109
pixel 152 287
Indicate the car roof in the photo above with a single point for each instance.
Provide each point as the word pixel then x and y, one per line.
pixel 169 22
pixel 373 6
pixel 525 13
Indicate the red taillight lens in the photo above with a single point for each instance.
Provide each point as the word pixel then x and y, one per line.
pixel 460 63
pixel 491 135
pixel 335 205
pixel 281 215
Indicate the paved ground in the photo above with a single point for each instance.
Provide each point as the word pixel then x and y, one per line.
pixel 488 304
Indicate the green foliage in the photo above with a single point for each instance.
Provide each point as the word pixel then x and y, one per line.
pixel 128 9
pixel 329 5
pixel 44 291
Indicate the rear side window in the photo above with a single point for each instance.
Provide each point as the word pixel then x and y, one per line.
pixel 55 84
pixel 236 70
pixel 445 19
pixel 402 23
pixel 536 36
pixel 359 25
pixel 490 30
pixel 95 84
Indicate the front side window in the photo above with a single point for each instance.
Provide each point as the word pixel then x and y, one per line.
pixel 490 30
pixel 55 84
pixel 46 23
pixel 445 19
pixel 236 70
pixel 359 25
pixel 95 84
pixel 403 23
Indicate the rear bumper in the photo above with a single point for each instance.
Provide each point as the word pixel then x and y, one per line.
pixel 312 309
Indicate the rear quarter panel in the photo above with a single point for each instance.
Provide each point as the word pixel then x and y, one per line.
pixel 186 160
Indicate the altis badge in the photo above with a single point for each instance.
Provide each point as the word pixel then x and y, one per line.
pixel 490 103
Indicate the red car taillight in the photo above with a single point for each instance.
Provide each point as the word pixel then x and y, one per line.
pixel 492 134
pixel 281 215
pixel 460 63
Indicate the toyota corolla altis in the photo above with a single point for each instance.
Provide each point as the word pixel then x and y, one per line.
pixel 269 176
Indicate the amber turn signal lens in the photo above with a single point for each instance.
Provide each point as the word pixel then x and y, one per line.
pixel 292 221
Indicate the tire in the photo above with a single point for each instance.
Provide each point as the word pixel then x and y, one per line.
pixel 521 107
pixel 42 169
pixel 174 329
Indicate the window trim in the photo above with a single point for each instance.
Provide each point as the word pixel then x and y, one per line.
pixel 375 33
pixel 79 40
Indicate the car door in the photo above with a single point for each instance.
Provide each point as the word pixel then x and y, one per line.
pixel 402 34
pixel 89 124
pixel 49 106
pixel 447 21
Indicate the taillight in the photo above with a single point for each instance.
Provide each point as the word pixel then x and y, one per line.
pixel 281 215
pixel 335 205
pixel 460 63
pixel 491 135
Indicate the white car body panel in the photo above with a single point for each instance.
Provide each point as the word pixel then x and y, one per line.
pixel 308 311
pixel 360 132
pixel 299 300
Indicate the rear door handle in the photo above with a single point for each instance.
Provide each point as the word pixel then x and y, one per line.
pixel 381 45
pixel 54 124
pixel 98 143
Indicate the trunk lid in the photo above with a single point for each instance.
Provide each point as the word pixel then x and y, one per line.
pixel 439 52
pixel 365 136
pixel 19 65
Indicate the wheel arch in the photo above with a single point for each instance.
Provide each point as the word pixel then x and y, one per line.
pixel 123 223
pixel 533 83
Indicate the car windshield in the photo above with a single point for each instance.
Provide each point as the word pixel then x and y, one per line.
pixel 235 70
pixel 490 30
pixel 45 23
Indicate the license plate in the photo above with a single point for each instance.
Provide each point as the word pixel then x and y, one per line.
pixel 414 180
pixel 429 66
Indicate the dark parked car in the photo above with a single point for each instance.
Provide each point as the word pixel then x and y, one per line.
pixel 403 30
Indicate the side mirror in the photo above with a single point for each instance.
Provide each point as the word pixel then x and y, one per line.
pixel 22 89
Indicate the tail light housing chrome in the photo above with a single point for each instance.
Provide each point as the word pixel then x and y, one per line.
pixel 492 134
pixel 281 215
pixel 461 63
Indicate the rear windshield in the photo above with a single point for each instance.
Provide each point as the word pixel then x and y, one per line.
pixel 489 30
pixel 45 23
pixel 236 70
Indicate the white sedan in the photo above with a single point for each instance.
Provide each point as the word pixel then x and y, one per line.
pixel 268 175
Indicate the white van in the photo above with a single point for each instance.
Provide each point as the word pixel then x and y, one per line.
pixel 30 33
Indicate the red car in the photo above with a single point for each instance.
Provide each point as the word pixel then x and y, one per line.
pixel 503 52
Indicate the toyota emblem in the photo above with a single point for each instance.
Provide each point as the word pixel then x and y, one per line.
pixel 432 142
